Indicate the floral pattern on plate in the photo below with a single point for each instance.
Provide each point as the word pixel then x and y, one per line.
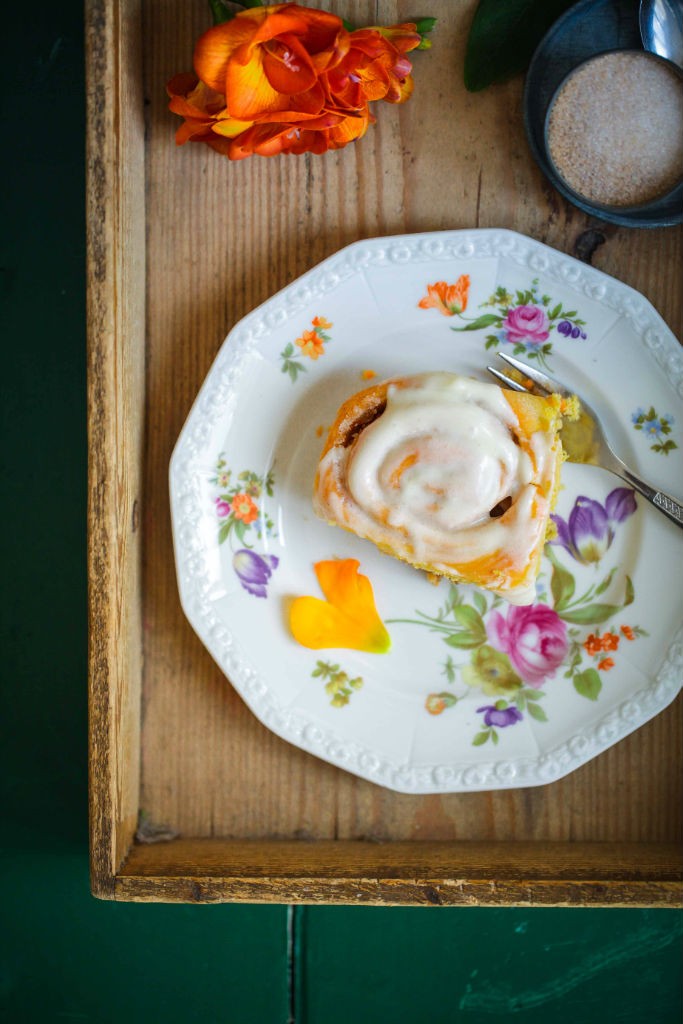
pixel 338 685
pixel 239 512
pixel 370 291
pixel 311 344
pixel 656 428
pixel 514 651
pixel 523 320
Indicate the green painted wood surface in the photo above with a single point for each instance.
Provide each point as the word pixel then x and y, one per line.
pixel 66 956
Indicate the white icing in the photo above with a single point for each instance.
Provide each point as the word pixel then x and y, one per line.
pixel 424 477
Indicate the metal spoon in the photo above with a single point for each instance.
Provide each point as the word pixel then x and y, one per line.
pixel 661 28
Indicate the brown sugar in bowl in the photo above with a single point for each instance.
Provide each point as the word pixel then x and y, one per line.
pixel 614 130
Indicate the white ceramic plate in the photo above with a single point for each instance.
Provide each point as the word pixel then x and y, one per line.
pixel 470 696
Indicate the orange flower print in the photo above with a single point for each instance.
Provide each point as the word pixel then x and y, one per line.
pixel 606 664
pixel 311 344
pixel 435 704
pixel 593 644
pixel 610 642
pixel 243 508
pixel 628 632
pixel 449 299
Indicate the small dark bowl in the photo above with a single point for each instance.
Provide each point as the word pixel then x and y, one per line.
pixel 665 200
pixel 587 30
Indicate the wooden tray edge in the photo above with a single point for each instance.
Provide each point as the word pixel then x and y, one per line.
pixel 115 203
pixel 404 873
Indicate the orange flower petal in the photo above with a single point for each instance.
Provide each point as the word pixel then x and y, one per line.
pixel 288 66
pixel 249 91
pixel 215 47
pixel 230 127
pixel 347 619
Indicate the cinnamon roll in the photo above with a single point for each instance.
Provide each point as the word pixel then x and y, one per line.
pixel 456 477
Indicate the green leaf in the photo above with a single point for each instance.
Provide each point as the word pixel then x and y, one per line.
pixel 494 735
pixel 602 587
pixel 470 619
pixel 240 530
pixel 591 614
pixel 480 602
pixel 449 699
pixel 562 584
pixel 219 13
pixel 486 320
pixel 424 25
pixel 224 531
pixel 537 712
pixel 554 313
pixel 503 37
pixel 588 684
pixel 480 738
pixel 449 670
pixel 464 641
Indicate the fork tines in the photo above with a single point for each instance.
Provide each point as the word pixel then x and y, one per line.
pixel 541 380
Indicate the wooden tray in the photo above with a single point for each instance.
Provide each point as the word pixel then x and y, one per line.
pixel 192 799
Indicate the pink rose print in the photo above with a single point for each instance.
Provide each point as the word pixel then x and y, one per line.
pixel 534 638
pixel 526 323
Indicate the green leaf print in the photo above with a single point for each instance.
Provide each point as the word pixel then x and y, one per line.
pixel 486 320
pixel 588 683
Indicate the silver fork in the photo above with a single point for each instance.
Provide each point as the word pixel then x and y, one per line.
pixel 601 453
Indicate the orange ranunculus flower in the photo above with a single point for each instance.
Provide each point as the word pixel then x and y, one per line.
pixel 606 664
pixel 321 322
pixel 243 508
pixel 610 641
pixel 311 344
pixel 289 79
pixel 449 299
pixel 347 618
pixel 628 632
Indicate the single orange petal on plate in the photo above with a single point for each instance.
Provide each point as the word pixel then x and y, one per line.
pixel 348 618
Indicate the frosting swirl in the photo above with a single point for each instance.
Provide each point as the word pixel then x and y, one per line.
pixel 450 476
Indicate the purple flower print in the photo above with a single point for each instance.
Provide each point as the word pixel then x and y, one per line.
pixel 222 508
pixel 589 531
pixel 570 330
pixel 534 638
pixel 254 571
pixel 526 324
pixel 500 717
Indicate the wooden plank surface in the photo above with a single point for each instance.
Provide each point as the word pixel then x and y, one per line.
pixel 116 423
pixel 427 873
pixel 221 238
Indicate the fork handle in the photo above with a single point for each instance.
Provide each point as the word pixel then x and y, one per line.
pixel 671 508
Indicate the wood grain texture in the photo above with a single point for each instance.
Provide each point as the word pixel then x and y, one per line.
pixel 116 355
pixel 427 873
pixel 220 239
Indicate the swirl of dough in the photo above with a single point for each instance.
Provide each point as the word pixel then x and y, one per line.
pixel 448 473
pixel 440 458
